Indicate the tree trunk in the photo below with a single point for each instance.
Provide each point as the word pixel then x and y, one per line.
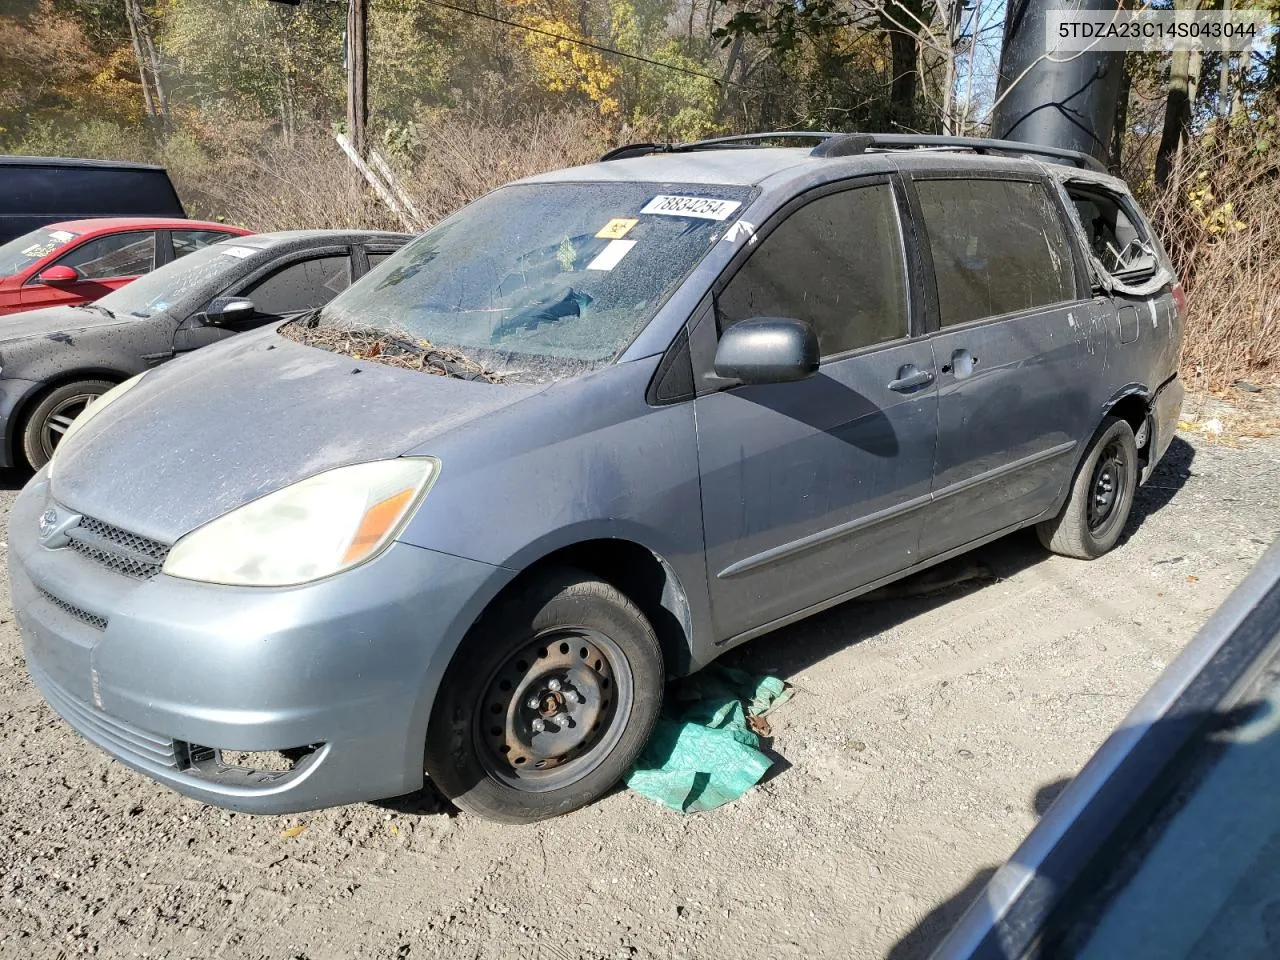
pixel 1122 120
pixel 949 67
pixel 162 100
pixel 1183 67
pixel 904 60
pixel 130 14
pixel 904 52
pixel 975 24
pixel 735 52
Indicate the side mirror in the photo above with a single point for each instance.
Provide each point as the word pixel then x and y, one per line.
pixel 229 311
pixel 58 275
pixel 767 350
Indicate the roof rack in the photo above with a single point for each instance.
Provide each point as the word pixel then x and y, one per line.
pixel 861 142
pixel 738 141
pixel 853 144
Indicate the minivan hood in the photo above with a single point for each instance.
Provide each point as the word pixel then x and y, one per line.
pixel 54 321
pixel 240 419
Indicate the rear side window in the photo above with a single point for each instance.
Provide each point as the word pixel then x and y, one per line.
pixel 998 247
pixel 188 241
pixel 116 255
pixel 301 286
pixel 836 263
pixel 1117 241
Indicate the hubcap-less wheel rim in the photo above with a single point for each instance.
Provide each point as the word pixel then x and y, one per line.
pixel 60 419
pixel 1108 487
pixel 554 710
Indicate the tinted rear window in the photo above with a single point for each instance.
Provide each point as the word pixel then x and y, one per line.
pixel 66 193
pixel 998 247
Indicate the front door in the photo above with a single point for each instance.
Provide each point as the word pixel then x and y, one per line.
pixel 283 292
pixel 1017 355
pixel 813 488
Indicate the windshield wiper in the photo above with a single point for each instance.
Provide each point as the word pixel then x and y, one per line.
pixel 98 307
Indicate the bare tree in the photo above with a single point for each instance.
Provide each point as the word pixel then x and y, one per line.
pixel 1184 79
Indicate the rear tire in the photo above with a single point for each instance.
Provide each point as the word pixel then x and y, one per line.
pixel 548 701
pixel 1101 497
pixel 51 417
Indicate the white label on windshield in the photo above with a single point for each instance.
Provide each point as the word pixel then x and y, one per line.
pixel 239 252
pixel 62 236
pixel 703 208
pixel 612 254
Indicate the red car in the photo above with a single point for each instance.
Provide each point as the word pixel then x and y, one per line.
pixel 78 261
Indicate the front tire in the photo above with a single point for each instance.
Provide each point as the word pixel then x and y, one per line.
pixel 548 701
pixel 51 417
pixel 1095 514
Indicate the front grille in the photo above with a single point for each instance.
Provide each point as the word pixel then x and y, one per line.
pixel 127 553
pixel 84 616
pixel 115 736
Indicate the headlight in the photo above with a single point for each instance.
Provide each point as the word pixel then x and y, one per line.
pixel 311 529
pixel 94 408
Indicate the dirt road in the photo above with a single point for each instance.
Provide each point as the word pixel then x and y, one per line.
pixel 925 735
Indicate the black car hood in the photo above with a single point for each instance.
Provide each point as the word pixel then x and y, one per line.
pixel 54 323
pixel 230 423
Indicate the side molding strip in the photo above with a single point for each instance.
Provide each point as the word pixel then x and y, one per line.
pixel 785 550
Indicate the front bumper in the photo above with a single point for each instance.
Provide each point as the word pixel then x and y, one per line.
pixel 162 672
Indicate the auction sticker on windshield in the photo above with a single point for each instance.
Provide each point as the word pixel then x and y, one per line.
pixel 616 229
pixel 612 255
pixel 703 208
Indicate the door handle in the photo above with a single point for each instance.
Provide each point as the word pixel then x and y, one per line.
pixel 962 363
pixel 911 378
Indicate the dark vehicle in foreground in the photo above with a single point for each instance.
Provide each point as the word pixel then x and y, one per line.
pixel 592 430
pixel 42 190
pixel 1167 844
pixel 54 362
pixel 80 261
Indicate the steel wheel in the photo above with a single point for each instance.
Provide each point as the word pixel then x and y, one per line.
pixel 548 700
pixel 1108 485
pixel 59 419
pixel 553 711
pixel 1101 495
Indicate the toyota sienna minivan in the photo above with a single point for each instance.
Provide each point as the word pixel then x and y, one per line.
pixel 586 434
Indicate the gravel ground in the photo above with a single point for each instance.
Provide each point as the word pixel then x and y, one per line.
pixel 926 735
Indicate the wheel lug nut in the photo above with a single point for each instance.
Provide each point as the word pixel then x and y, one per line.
pixel 553 685
pixel 538 725
pixel 572 696
pixel 533 703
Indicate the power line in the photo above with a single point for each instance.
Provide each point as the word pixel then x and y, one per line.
pixel 586 43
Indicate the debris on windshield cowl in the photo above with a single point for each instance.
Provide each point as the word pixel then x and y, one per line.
pixel 391 347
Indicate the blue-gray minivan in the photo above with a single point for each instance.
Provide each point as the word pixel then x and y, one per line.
pixel 586 434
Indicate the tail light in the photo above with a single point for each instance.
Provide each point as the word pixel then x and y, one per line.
pixel 1180 299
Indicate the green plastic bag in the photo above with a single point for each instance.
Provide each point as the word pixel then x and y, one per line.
pixel 703 753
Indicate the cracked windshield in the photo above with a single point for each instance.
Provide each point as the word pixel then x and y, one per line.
pixel 542 281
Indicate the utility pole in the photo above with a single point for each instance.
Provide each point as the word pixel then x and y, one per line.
pixel 1056 102
pixel 357 75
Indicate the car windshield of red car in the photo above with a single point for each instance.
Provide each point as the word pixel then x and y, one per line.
pixel 18 254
